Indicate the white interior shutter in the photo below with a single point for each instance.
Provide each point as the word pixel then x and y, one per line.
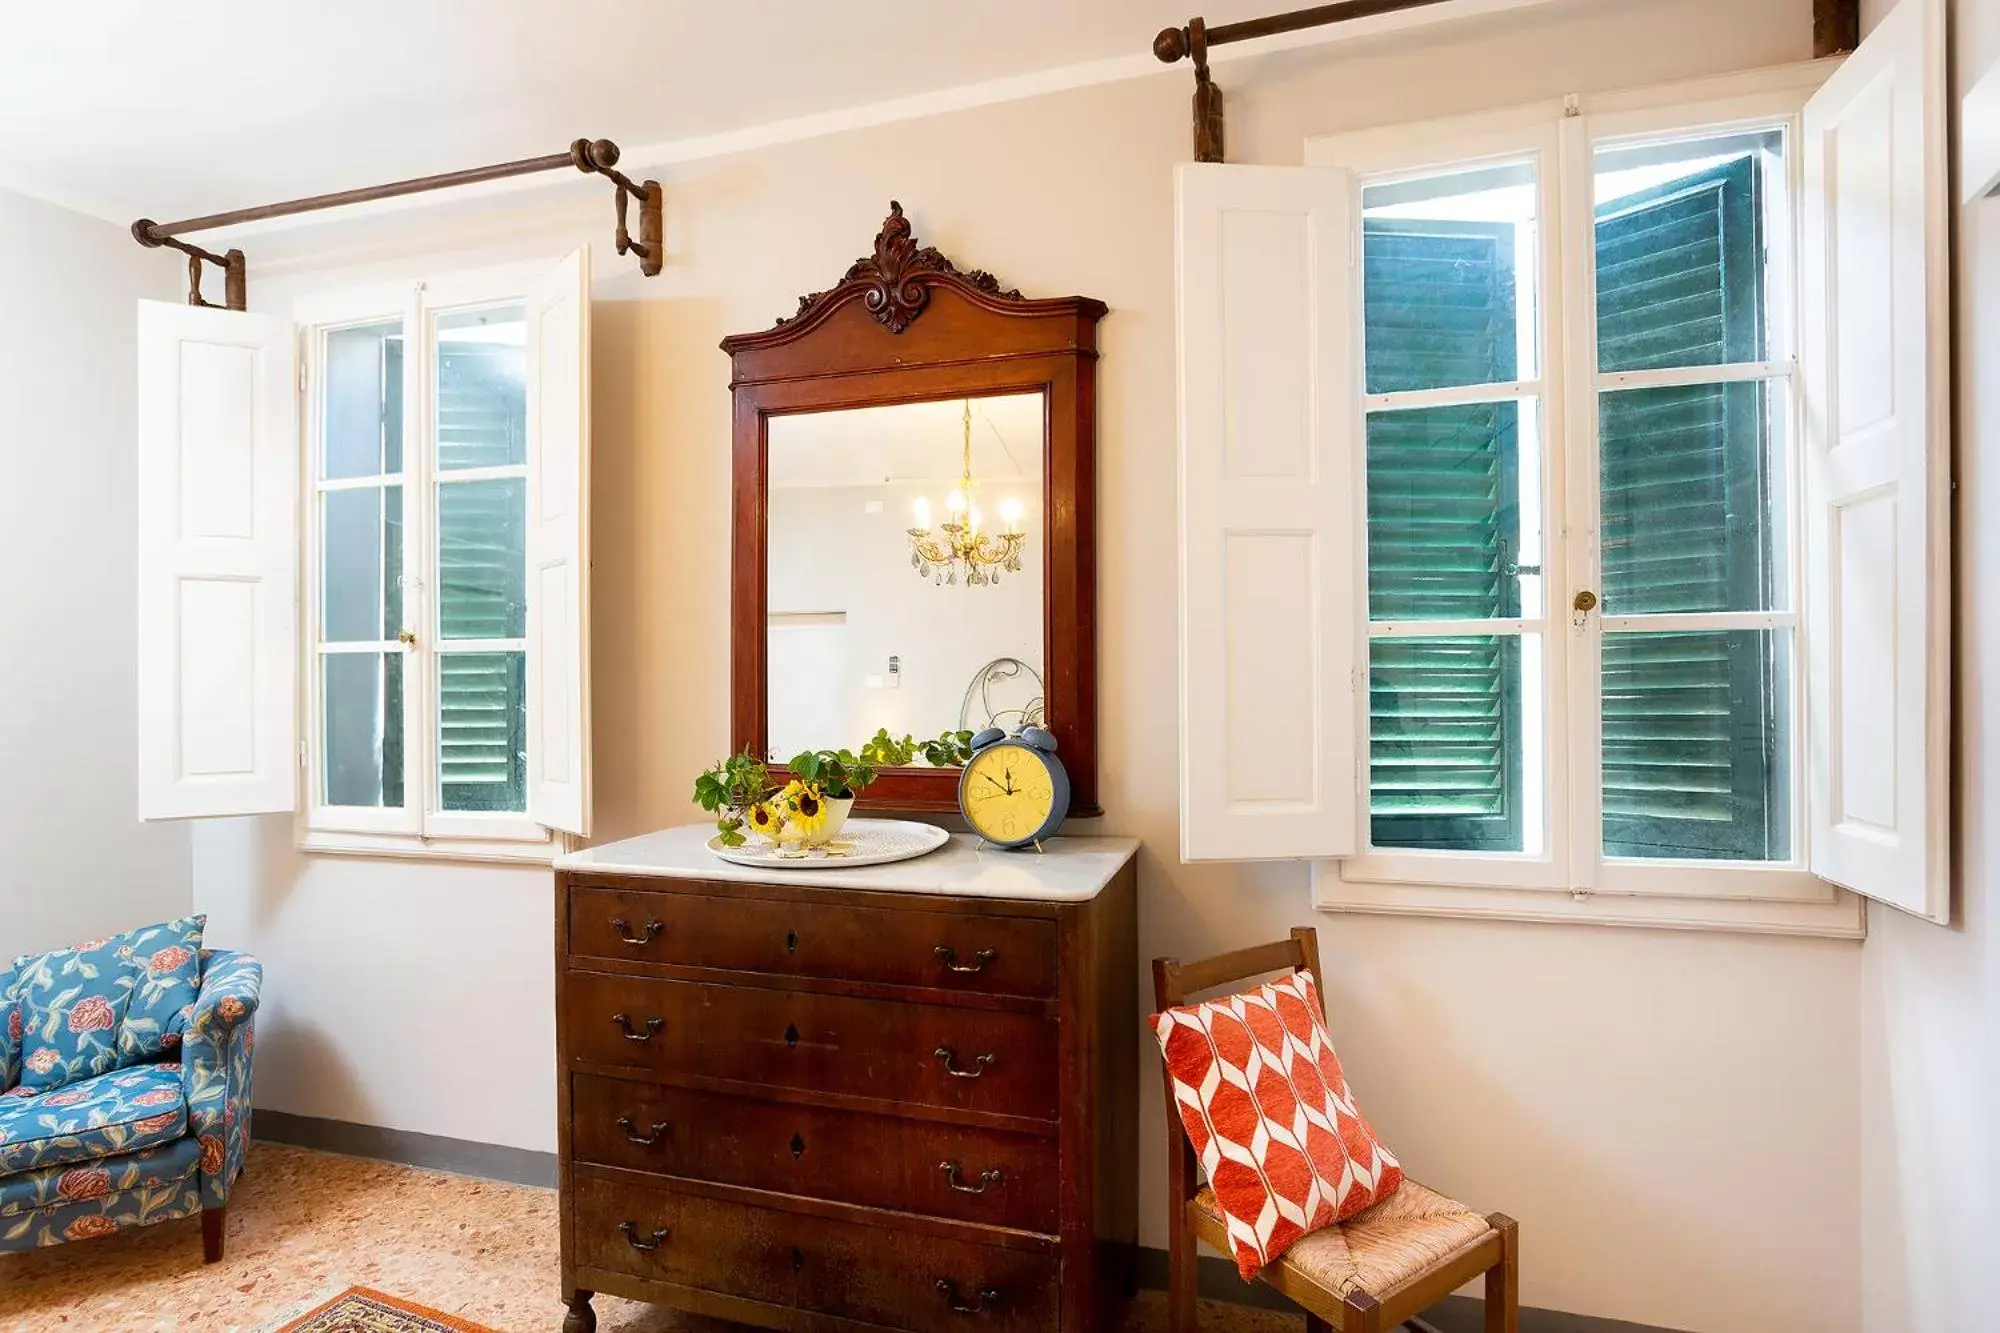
pixel 217 472
pixel 1270 489
pixel 558 547
pixel 1875 353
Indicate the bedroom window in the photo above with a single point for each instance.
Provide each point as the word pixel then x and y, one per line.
pixel 1550 548
pixel 427 577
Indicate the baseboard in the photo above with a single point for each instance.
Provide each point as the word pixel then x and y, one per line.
pixel 487 1161
pixel 1218 1279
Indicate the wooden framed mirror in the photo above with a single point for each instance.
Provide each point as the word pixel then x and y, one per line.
pixel 913 385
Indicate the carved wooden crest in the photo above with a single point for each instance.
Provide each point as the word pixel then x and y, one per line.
pixel 896 280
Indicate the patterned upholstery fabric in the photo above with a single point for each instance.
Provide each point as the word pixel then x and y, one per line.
pixel 52 1203
pixel 113 1113
pixel 1379 1249
pixel 90 1199
pixel 10 1028
pixel 108 1002
pixel 215 1058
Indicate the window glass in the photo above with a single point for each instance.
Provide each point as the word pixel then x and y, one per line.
pixel 361 709
pixel 482 559
pixel 1697 745
pixel 361 554
pixel 482 388
pixel 1682 250
pixel 482 731
pixel 362 402
pixel 1448 275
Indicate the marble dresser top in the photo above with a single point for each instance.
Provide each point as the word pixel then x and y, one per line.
pixel 1070 870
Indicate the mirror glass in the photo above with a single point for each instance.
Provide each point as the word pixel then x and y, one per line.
pixel 905 557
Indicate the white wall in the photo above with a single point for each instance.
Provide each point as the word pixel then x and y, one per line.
pixel 1675 1118
pixel 1931 1054
pixel 78 862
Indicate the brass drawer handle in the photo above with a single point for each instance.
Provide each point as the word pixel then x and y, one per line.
pixel 988 1298
pixel 625 1025
pixel 987 1179
pixel 949 957
pixel 980 1063
pixel 630 1231
pixel 624 929
pixel 643 1140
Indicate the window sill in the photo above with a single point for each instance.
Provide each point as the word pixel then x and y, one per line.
pixel 489 851
pixel 1840 915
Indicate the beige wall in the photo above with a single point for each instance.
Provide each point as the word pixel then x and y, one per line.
pixel 1674 1117
pixel 1931 996
pixel 78 863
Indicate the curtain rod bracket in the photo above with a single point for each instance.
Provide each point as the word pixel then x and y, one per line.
pixel 592 156
pixel 234 289
pixel 1175 43
pixel 600 157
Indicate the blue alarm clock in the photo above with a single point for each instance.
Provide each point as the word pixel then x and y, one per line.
pixel 1013 790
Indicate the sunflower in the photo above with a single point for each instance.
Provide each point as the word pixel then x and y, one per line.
pixel 806 807
pixel 766 819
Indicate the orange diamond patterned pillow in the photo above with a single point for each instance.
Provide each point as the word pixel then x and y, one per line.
pixel 1267 1109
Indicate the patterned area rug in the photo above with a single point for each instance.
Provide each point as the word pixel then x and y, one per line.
pixel 359 1310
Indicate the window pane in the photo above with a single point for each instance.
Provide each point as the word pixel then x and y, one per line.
pixel 363 435
pixel 1448 279
pixel 361 564
pixel 482 393
pixel 482 559
pixel 482 731
pixel 1691 499
pixel 1681 260
pixel 362 714
pixel 1697 745
pixel 1453 523
pixel 1451 764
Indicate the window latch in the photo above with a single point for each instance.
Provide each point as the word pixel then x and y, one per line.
pixel 408 638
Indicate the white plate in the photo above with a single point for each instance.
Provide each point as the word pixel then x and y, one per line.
pixel 862 842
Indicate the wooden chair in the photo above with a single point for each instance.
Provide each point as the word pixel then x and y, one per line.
pixel 1370 1273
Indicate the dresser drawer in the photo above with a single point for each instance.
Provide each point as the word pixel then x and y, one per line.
pixel 995 1178
pixel 880 1275
pixel 926 1054
pixel 988 955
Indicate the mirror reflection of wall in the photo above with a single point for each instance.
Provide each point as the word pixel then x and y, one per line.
pixel 866 633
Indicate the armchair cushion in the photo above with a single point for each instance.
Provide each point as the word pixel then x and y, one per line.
pixel 107 1003
pixel 52 1204
pixel 113 1113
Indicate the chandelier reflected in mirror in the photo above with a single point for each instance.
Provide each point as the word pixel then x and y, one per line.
pixel 959 548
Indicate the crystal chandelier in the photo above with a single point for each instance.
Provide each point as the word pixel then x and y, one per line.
pixel 959 543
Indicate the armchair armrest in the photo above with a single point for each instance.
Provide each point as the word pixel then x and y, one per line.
pixel 215 1067
pixel 231 982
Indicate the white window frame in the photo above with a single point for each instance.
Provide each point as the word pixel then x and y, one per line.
pixel 417 829
pixel 1570 879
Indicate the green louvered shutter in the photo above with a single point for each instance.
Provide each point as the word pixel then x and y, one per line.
pixel 1691 731
pixel 1444 714
pixel 482 541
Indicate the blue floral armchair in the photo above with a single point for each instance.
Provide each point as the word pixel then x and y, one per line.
pixel 143 1144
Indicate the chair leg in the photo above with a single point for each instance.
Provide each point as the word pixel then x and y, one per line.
pixel 1181 1274
pixel 1363 1314
pixel 1503 1280
pixel 211 1234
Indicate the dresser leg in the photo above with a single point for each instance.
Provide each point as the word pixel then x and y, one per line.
pixel 581 1318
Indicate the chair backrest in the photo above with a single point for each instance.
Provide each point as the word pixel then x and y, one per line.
pixel 1173 982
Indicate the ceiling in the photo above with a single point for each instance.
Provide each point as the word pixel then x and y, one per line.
pixel 173 108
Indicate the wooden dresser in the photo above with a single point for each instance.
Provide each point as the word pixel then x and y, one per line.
pixel 898 1097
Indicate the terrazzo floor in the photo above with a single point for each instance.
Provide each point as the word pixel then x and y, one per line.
pixel 304 1225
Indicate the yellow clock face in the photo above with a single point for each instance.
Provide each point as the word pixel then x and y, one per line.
pixel 1007 793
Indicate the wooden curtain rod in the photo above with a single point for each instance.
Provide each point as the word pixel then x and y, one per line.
pixel 1836 28
pixel 590 156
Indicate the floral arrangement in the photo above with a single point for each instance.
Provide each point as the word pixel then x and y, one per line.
pixel 950 750
pixel 742 794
